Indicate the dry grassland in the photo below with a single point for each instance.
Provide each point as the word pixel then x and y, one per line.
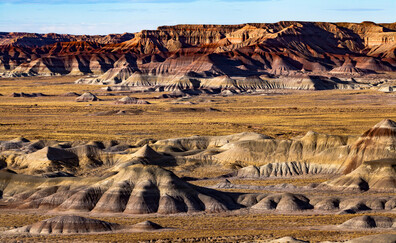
pixel 280 115
pixel 208 227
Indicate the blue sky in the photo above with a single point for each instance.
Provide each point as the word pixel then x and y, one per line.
pixel 119 16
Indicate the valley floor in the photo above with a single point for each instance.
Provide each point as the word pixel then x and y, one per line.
pixel 277 113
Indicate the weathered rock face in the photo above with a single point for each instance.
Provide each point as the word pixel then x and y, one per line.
pixel 133 190
pixel 192 55
pixel 377 143
pixel 256 149
pixel 67 225
pixel 286 169
pixel 377 175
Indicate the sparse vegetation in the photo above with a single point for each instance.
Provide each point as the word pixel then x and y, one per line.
pixel 211 227
pixel 280 115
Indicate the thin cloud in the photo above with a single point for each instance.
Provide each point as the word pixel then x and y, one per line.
pixel 65 2
pixel 356 9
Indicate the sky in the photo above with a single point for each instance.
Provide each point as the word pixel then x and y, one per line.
pixel 119 16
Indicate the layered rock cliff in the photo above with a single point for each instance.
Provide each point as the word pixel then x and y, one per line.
pixel 202 52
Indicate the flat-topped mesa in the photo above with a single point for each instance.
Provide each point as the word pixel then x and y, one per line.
pixel 377 143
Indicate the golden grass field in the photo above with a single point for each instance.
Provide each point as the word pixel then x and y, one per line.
pixel 280 115
pixel 226 227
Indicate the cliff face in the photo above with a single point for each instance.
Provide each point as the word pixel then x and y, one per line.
pixel 207 51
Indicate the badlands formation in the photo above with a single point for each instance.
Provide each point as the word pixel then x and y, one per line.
pixel 358 176
pixel 213 58
pixel 109 153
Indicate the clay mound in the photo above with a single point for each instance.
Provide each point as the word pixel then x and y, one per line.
pixel 71 94
pixel 117 74
pixel 383 238
pixel 87 97
pixel 140 79
pixel 146 225
pixel 135 189
pixel 148 153
pixel 328 204
pixel 348 67
pixel 377 175
pixel 130 100
pixel 374 144
pixel 67 225
pixel 284 202
pixel 287 239
pixel 280 66
pixel 369 222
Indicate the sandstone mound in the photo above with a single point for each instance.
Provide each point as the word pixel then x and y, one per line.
pixel 369 222
pixel 86 97
pixel 284 202
pixel 145 155
pixel 135 189
pixel 377 143
pixel 146 225
pixel 130 100
pixel 67 225
pixel 376 175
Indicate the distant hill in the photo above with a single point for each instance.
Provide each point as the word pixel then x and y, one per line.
pixel 285 48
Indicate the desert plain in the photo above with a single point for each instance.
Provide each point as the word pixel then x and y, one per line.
pixel 247 133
